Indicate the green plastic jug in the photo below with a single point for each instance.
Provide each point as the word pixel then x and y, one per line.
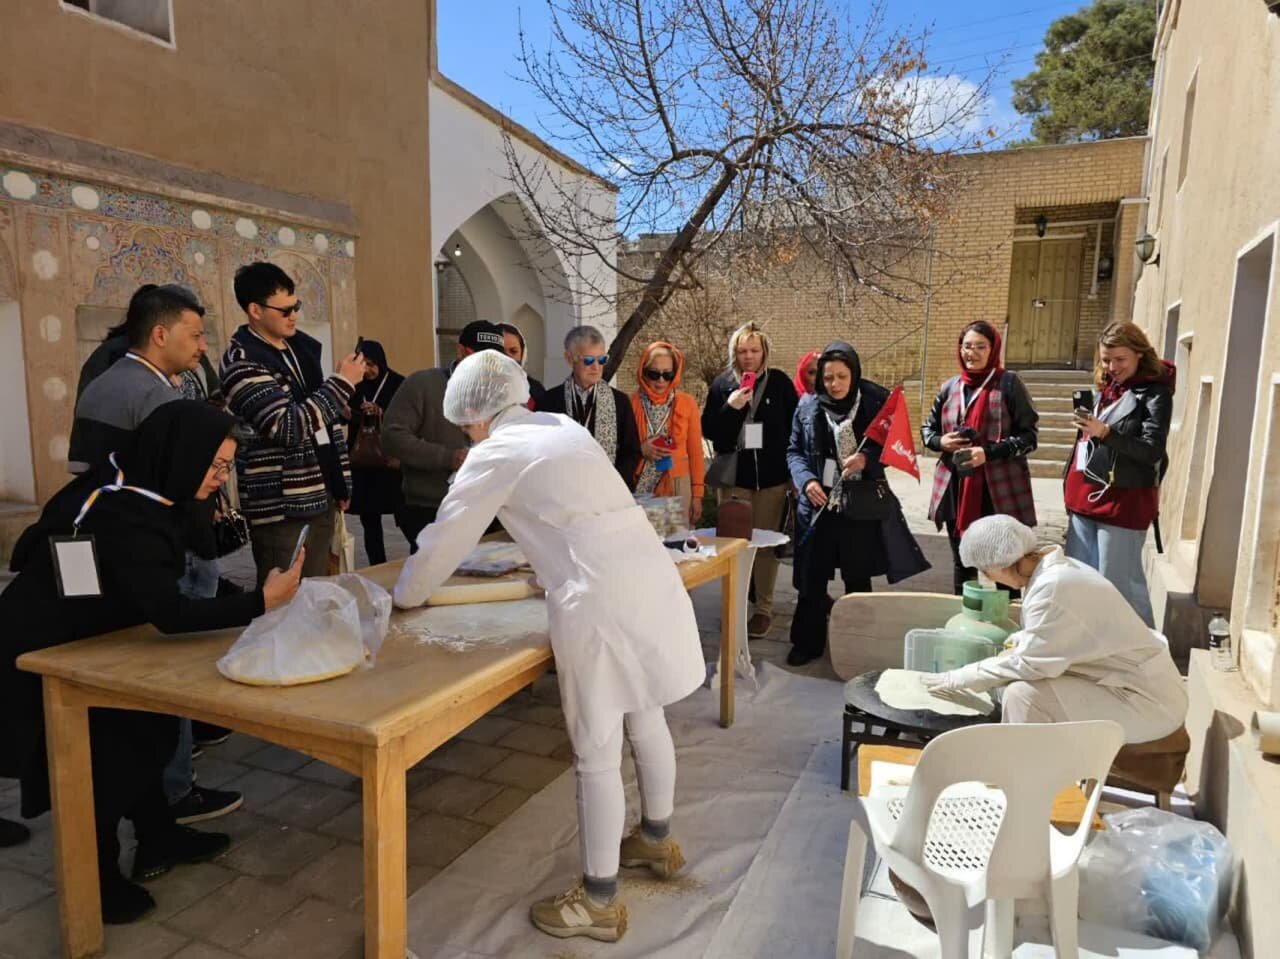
pixel 983 613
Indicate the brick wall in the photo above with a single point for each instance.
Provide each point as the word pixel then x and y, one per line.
pixel 963 276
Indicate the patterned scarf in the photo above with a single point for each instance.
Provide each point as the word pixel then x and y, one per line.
pixel 657 415
pixel 846 443
pixel 599 418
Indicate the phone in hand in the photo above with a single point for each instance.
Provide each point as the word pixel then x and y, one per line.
pixel 359 343
pixel 1082 399
pixel 748 381
pixel 302 539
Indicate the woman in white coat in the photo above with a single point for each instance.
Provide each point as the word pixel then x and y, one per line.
pixel 607 575
pixel 1082 652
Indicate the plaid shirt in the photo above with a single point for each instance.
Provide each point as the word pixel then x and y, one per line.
pixel 1009 479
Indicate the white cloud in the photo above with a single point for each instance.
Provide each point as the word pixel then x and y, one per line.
pixel 944 107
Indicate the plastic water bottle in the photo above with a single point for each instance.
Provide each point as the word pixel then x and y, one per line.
pixel 1220 644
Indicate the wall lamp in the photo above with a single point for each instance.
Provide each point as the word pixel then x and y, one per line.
pixel 1146 247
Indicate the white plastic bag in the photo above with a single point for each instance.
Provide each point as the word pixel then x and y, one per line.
pixel 1158 874
pixel 329 628
pixel 342 547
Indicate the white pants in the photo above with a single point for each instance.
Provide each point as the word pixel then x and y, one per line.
pixel 602 804
pixel 1075 699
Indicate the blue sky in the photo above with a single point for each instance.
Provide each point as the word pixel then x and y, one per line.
pixel 478 45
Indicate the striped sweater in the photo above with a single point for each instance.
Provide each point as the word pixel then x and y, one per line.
pixel 282 471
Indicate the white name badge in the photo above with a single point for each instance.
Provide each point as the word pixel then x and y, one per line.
pixel 75 564
pixel 753 436
pixel 1082 454
pixel 322 437
pixel 828 473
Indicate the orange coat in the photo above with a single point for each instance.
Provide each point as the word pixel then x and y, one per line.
pixel 684 426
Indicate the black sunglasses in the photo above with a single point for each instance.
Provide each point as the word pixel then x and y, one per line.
pixel 656 375
pixel 283 310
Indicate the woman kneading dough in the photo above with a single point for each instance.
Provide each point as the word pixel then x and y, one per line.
pixel 1082 652
pixel 622 626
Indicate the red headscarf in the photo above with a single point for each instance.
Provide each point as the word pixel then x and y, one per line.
pixel 803 387
pixel 987 382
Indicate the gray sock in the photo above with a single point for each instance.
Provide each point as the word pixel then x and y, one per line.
pixel 600 891
pixel 655 829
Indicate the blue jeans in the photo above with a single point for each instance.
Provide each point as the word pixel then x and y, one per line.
pixel 199 582
pixel 1116 553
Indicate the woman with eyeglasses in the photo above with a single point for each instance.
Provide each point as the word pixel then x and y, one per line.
pixel 670 431
pixel 132 511
pixel 747 417
pixel 984 425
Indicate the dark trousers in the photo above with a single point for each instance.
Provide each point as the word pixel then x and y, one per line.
pixel 273 544
pixel 832 545
pixel 374 545
pixel 412 520
pixel 128 751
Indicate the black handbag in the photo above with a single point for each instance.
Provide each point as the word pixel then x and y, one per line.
pixel 723 471
pixel 230 528
pixel 866 499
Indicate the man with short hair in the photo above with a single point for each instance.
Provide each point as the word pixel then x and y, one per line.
pixel 430 448
pixel 293 468
pixel 163 333
pixel 513 345
pixel 163 339
pixel 594 404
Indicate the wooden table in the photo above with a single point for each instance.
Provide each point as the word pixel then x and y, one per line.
pixel 374 724
pixel 1068 807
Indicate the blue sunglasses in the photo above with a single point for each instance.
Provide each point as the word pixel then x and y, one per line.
pixel 602 359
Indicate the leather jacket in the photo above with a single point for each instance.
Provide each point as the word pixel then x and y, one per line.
pixel 1133 454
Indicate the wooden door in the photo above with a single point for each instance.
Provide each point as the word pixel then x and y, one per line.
pixel 1044 302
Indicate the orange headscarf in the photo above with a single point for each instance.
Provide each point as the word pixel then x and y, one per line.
pixel 645 385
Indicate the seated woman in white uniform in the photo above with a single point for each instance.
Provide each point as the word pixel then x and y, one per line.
pixel 1082 652
pixel 622 626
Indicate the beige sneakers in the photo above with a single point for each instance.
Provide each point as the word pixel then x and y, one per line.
pixel 573 914
pixel 663 858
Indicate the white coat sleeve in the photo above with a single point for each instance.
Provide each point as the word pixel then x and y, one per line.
pixel 479 489
pixel 1041 649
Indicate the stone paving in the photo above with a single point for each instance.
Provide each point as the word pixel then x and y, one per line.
pixel 292 880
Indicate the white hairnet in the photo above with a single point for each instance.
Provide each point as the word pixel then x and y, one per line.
pixel 995 542
pixel 482 385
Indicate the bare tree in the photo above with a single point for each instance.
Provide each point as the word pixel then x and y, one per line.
pixel 761 125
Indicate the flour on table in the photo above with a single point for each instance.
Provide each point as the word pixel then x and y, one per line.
pixel 904 689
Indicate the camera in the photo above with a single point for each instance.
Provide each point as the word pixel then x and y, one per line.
pixel 969 433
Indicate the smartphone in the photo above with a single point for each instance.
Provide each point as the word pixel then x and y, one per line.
pixel 748 381
pixel 302 539
pixel 1082 399
pixel 359 343
pixel 1083 411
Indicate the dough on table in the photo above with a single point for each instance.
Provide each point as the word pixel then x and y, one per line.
pixel 904 689
pixel 468 593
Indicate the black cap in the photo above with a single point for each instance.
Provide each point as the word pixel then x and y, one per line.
pixel 481 335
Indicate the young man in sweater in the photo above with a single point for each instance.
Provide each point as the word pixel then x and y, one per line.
pixel 430 448
pixel 293 468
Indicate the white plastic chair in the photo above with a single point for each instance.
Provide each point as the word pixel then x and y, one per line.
pixel 987 845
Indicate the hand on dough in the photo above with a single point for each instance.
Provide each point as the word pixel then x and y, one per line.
pixel 939 682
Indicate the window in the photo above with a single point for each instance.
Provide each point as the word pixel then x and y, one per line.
pixel 1263 611
pixel 1164 176
pixel 1171 320
pixel 151 17
pixel 1188 115
pixel 1195 482
pixel 1182 360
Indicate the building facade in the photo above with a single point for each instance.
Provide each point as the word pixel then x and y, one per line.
pixel 1207 298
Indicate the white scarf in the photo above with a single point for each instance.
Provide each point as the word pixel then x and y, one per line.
pixel 600 417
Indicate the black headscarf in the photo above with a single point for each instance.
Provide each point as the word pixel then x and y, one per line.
pixel 175 446
pixel 384 385
pixel 839 350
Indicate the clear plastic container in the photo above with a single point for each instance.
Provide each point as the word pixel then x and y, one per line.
pixel 938 650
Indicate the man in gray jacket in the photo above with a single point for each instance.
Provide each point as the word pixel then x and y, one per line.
pixel 430 448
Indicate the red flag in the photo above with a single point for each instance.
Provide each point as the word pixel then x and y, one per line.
pixel 892 430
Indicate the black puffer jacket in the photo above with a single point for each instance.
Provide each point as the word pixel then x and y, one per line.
pixel 1133 454
pixel 722 424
